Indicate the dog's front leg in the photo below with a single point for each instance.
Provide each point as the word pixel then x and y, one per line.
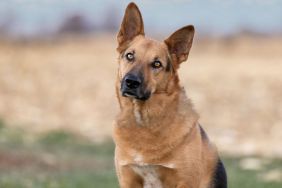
pixel 128 178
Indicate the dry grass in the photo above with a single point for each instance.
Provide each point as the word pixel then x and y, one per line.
pixel 236 86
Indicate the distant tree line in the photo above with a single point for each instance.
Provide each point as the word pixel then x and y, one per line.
pixel 75 23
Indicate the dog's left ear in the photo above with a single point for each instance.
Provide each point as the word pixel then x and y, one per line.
pixel 179 43
pixel 131 26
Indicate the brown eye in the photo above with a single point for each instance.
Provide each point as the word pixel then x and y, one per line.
pixel 129 56
pixel 156 64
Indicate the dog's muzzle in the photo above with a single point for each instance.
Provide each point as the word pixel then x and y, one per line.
pixel 133 86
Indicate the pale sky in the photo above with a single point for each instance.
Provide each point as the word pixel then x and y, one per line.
pixel 209 16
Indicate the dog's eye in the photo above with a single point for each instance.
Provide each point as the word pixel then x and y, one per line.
pixel 156 64
pixel 129 56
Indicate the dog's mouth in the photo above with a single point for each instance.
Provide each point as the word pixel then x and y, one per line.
pixel 128 94
pixel 131 94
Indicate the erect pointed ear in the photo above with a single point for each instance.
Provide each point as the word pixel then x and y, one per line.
pixel 180 42
pixel 132 25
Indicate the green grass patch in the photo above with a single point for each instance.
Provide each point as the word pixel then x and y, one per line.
pixel 243 178
pixel 59 159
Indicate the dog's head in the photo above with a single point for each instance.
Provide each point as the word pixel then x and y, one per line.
pixel 147 66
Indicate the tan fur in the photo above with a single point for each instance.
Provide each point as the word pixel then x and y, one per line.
pixel 158 141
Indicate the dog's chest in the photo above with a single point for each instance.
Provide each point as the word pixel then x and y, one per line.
pixel 149 175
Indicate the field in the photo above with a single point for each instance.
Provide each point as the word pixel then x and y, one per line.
pixel 57 103
pixel 59 159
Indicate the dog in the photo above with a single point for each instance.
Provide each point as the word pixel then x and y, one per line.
pixel 159 142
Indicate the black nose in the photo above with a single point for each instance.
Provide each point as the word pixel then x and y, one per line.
pixel 132 82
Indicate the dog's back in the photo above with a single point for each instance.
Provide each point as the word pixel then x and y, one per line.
pixel 220 178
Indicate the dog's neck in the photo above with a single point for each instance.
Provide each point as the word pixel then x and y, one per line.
pixel 144 126
pixel 159 107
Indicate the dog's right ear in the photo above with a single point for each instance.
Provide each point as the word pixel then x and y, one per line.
pixel 131 26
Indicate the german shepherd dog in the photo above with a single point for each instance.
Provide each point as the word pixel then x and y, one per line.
pixel 159 142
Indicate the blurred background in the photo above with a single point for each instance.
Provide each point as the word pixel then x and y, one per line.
pixel 58 67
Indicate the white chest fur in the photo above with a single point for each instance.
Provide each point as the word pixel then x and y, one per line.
pixel 149 175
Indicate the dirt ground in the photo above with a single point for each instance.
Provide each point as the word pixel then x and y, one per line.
pixel 234 83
